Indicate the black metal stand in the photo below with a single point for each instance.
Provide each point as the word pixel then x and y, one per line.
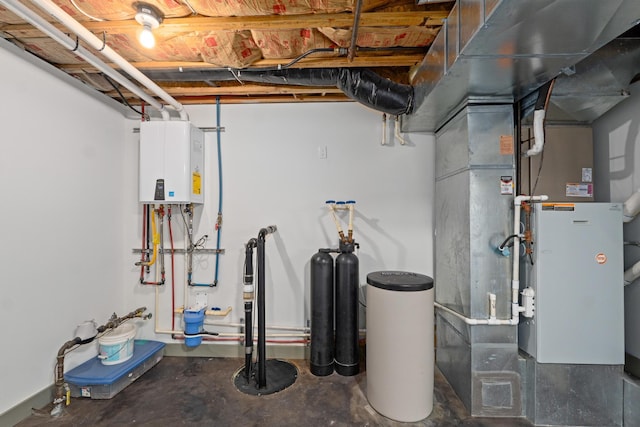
pixel 281 374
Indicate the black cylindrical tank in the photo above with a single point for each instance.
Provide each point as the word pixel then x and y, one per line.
pixel 321 360
pixel 347 360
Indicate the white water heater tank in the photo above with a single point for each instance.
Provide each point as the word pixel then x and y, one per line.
pixel 171 163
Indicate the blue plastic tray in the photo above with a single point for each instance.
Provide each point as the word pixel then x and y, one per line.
pixel 93 372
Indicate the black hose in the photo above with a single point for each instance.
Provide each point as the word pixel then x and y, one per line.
pixel 298 59
pixel 201 333
pixel 503 244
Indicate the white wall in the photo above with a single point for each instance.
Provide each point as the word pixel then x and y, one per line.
pixel 616 139
pixel 68 169
pixel 272 174
pixel 61 221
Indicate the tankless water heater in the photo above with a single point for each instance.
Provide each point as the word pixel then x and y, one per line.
pixel 171 163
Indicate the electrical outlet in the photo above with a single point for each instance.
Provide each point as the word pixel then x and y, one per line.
pixel 322 152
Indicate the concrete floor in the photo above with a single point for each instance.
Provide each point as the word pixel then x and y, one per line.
pixel 196 391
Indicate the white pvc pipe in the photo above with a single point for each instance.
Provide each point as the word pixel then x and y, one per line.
pixel 95 42
pixel 397 131
pixel 515 280
pixel 470 321
pixel 350 229
pixel 61 38
pixel 384 129
pixel 241 334
pixel 631 274
pixel 538 133
pixel 241 325
pixel 631 207
pixel 332 209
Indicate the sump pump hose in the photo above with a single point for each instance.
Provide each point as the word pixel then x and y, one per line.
pixel 262 348
pixel 248 265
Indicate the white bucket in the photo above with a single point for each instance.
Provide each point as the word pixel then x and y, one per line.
pixel 116 346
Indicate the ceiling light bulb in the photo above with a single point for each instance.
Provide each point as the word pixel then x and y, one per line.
pixel 150 18
pixel 146 37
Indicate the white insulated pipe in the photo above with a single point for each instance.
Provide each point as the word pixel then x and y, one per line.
pixel 46 27
pixel 515 280
pixel 98 44
pixel 538 133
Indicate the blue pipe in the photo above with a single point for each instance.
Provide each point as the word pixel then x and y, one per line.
pixel 219 220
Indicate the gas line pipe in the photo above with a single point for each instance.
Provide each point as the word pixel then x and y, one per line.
pixel 61 388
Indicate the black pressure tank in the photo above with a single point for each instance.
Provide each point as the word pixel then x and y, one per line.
pixel 322 313
pixel 347 360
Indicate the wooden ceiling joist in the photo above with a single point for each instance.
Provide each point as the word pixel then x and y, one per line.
pixel 195 100
pixel 271 22
pixel 248 89
pixel 332 62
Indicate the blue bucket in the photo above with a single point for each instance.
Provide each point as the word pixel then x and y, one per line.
pixel 193 321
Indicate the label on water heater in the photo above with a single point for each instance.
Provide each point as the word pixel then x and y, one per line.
pixel 197 183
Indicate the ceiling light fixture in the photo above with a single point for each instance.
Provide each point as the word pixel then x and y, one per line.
pixel 150 18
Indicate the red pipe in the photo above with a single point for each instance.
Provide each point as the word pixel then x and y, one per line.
pixel 173 281
pixel 144 239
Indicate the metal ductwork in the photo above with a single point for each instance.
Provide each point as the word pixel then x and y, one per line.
pixel 361 85
pixel 489 55
pixel 596 84
pixel 506 49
